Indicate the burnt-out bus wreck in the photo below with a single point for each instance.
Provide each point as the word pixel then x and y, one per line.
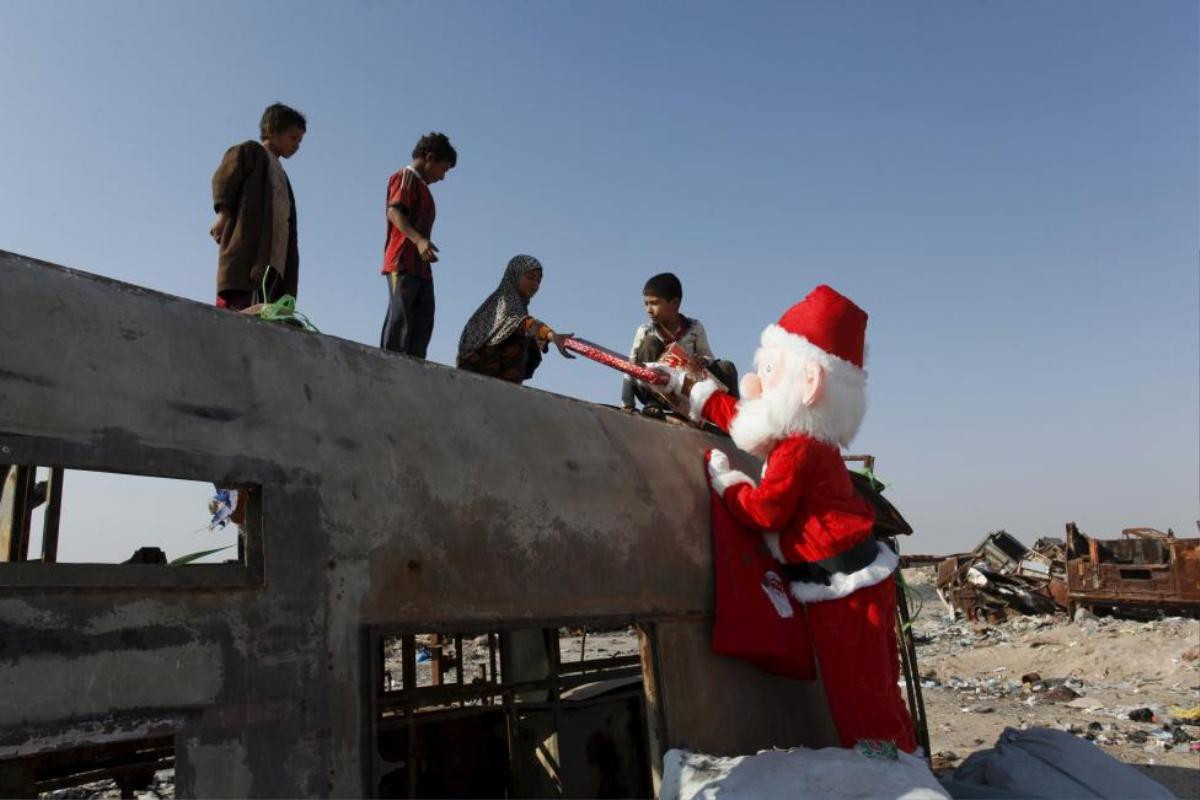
pixel 424 553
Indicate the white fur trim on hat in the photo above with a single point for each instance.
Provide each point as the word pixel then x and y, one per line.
pixel 721 481
pixel 842 584
pixel 834 418
pixel 776 336
pixel 698 397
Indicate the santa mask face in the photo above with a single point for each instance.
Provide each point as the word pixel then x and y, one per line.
pixel 789 394
pixel 770 363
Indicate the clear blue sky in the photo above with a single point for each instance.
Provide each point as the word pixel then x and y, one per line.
pixel 1008 188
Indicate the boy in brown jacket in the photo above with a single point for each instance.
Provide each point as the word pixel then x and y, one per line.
pixel 258 260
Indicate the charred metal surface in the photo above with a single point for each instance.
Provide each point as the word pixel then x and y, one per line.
pixel 1002 577
pixel 1145 571
pixel 394 493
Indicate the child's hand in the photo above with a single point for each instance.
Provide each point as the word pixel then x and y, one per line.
pixel 559 340
pixel 217 231
pixel 427 250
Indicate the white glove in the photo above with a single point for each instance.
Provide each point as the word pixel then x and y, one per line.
pixel 720 476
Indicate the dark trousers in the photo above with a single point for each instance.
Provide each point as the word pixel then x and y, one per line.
pixel 237 300
pixel 408 326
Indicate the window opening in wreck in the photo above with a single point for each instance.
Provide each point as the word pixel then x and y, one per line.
pixel 55 522
pixel 1136 574
pixel 539 712
pixel 136 768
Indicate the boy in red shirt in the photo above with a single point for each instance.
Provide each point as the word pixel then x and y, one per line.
pixel 408 251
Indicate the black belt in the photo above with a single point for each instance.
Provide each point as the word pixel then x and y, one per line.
pixel 861 555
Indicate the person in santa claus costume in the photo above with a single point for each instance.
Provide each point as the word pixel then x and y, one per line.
pixel 805 400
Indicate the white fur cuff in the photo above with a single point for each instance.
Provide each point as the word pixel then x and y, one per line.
pixel 842 584
pixel 698 397
pixel 723 480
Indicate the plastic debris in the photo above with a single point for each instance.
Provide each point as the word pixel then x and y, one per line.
pixel 1189 716
pixel 874 748
pixel 1061 694
pixel 221 506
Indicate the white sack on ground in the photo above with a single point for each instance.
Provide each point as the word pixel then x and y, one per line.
pixel 1042 762
pixel 832 772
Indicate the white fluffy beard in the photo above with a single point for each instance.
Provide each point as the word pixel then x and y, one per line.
pixel 780 412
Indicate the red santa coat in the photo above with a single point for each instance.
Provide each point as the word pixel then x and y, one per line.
pixel 807 497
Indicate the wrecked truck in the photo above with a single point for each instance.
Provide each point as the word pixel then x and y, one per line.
pixel 1144 573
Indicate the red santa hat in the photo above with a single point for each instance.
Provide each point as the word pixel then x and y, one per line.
pixel 826 326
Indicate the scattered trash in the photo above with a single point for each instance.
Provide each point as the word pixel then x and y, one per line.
pixel 1142 715
pixel 874 748
pixel 221 506
pixel 943 759
pixel 1186 716
pixel 1181 736
pixel 1061 694
pixel 1083 675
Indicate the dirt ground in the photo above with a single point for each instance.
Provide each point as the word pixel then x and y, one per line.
pixel 1085 677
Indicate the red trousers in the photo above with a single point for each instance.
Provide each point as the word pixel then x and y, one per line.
pixel 855 642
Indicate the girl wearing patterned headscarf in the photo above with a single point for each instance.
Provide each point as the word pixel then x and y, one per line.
pixel 501 339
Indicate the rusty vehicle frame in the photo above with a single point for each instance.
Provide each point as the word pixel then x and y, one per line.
pixel 1146 572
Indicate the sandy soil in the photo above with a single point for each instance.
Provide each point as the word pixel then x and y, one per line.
pixel 1089 677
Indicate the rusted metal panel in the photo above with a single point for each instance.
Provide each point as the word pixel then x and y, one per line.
pixel 1145 533
pixel 1001 576
pixel 1142 571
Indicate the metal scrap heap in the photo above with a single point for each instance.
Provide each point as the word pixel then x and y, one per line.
pixel 1145 572
pixel 1001 577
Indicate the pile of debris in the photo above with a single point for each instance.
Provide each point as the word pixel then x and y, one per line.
pixel 1001 576
pixel 1146 573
